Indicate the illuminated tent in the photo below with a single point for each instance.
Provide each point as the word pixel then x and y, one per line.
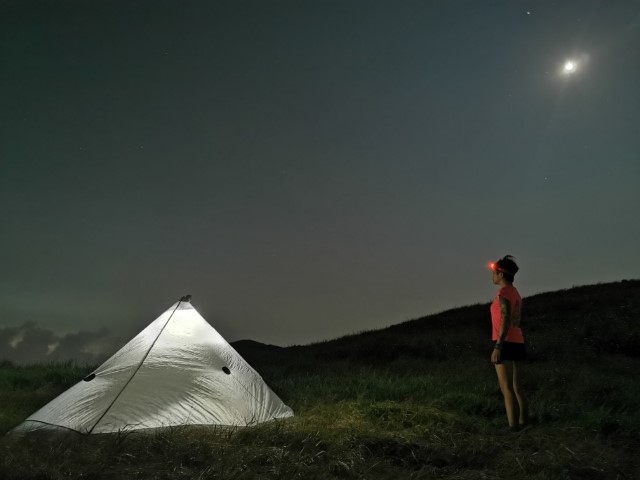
pixel 177 371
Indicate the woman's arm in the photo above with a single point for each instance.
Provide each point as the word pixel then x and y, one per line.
pixel 505 314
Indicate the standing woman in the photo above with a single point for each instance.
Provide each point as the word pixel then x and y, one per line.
pixel 508 347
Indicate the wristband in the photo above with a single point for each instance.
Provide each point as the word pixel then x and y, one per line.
pixel 498 346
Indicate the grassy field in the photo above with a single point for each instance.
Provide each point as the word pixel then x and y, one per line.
pixel 416 400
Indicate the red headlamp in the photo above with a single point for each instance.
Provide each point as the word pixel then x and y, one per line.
pixel 496 268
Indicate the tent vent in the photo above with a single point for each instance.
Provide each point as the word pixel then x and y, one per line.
pixel 88 378
pixel 226 370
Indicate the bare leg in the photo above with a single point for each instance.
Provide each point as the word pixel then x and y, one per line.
pixel 522 401
pixel 505 373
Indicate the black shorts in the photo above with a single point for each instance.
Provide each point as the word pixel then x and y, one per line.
pixel 513 351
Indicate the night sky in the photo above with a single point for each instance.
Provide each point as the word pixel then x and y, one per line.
pixel 306 169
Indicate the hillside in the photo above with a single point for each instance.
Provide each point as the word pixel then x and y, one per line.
pixel 580 322
pixel 417 400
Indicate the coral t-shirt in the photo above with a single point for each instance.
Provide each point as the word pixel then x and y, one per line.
pixel 515 332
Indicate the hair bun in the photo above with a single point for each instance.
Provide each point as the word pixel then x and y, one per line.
pixel 508 263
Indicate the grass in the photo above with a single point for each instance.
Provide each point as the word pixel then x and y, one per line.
pixel 418 400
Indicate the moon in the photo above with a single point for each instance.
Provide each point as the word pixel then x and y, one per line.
pixel 570 67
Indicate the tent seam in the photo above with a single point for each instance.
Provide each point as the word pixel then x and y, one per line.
pixel 137 368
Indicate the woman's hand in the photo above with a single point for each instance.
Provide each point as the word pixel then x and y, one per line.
pixel 495 356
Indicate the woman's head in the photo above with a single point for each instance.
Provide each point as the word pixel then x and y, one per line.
pixel 505 266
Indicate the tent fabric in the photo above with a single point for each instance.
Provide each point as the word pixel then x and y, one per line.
pixel 177 371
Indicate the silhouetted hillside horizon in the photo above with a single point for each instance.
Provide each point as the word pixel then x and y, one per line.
pixel 585 320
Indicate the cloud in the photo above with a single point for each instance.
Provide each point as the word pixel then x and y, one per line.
pixel 30 343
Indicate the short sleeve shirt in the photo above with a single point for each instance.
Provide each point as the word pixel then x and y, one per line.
pixel 515 332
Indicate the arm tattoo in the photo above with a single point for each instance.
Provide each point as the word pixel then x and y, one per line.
pixel 505 311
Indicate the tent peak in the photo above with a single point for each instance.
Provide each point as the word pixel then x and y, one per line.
pixel 186 298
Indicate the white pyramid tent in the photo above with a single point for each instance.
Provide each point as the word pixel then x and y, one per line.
pixel 177 371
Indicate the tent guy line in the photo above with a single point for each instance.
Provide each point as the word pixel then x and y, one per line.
pixel 93 375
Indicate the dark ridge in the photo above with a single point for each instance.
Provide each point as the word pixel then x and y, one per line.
pixel 250 349
pixel 253 344
pixel 587 321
